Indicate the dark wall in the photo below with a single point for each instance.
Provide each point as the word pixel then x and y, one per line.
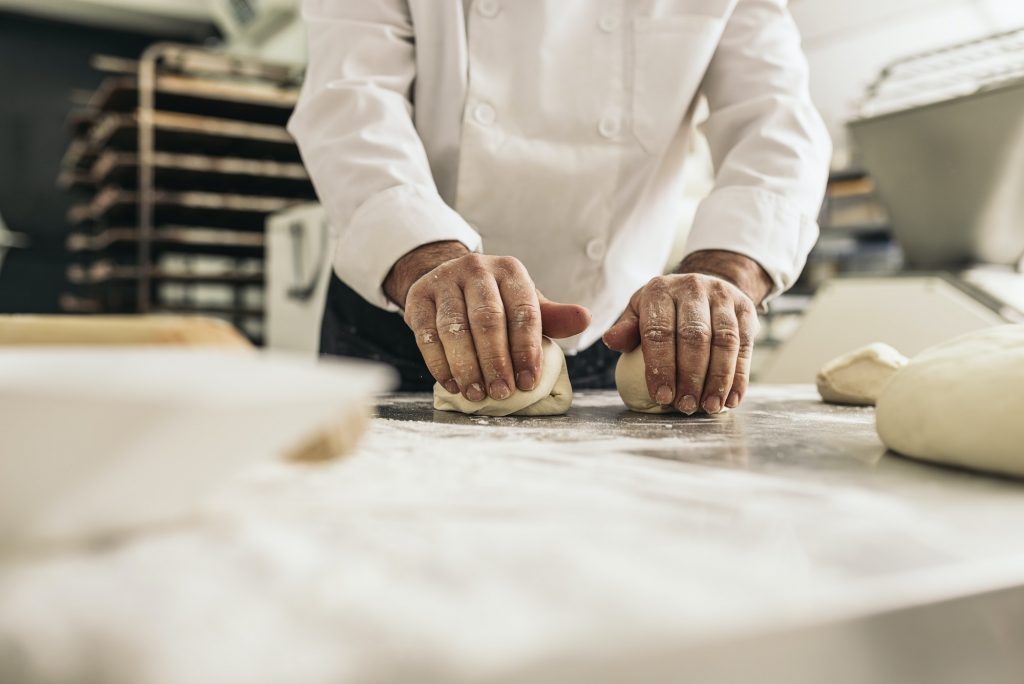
pixel 41 63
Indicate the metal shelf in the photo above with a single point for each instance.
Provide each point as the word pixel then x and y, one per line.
pixel 182 156
pixel 114 206
pixel 104 270
pixel 186 239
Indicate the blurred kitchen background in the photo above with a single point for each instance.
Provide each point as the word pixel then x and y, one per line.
pixel 144 167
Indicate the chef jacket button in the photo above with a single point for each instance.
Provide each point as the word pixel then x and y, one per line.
pixel 488 8
pixel 609 23
pixel 609 126
pixel 595 249
pixel 485 114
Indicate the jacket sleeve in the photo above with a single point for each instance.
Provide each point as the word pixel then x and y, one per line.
pixel 354 127
pixel 769 145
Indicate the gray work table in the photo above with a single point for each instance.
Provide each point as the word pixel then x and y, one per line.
pixel 774 543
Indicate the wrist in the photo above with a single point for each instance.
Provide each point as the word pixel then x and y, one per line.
pixel 743 272
pixel 415 264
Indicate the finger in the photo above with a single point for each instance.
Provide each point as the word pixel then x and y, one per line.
pixel 748 325
pixel 522 309
pixel 624 336
pixel 489 326
pixel 457 338
pixel 562 320
pixel 725 346
pixel 421 317
pixel 693 347
pixel 658 341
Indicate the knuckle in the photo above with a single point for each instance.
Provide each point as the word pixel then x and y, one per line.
pixel 658 285
pixel 473 261
pixel 695 333
pixel 525 355
pixel 657 333
pixel 524 315
pixel 419 318
pixel 744 306
pixel 719 287
pixel 496 362
pixel 691 282
pixel 726 339
pixel 747 336
pixel 439 370
pixel 508 263
pixel 464 371
pixel 451 319
pixel 488 317
pixel 428 337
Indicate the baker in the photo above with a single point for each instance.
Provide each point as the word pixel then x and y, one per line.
pixel 502 169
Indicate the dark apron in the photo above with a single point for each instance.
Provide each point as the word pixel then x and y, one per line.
pixel 353 327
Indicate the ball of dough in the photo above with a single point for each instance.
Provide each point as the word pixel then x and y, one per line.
pixel 631 382
pixel 552 396
pixel 960 403
pixel 859 377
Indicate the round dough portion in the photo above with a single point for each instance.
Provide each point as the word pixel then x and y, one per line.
pixel 960 403
pixel 631 381
pixel 551 397
pixel 859 377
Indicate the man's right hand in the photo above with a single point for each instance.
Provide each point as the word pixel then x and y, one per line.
pixel 478 319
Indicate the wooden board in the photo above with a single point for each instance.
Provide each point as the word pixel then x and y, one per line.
pixel 118 330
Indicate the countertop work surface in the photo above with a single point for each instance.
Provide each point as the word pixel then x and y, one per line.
pixel 778 542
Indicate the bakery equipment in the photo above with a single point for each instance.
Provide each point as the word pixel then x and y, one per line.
pixel 300 242
pixel 942 134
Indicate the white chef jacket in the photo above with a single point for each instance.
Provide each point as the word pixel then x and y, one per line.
pixel 555 131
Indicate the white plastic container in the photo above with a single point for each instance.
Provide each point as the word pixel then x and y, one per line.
pixel 100 440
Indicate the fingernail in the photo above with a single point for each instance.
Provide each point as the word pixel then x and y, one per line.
pixel 688 405
pixel 451 386
pixel 664 395
pixel 475 392
pixel 525 380
pixel 713 404
pixel 500 390
pixel 734 399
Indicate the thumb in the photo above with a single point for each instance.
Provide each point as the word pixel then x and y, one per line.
pixel 562 320
pixel 624 336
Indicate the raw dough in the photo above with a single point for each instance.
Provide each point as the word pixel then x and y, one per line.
pixel 551 397
pixel 859 377
pixel 632 384
pixel 961 403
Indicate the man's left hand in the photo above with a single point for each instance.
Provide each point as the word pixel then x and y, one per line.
pixel 696 328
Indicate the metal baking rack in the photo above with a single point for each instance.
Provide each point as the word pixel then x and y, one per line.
pixel 179 158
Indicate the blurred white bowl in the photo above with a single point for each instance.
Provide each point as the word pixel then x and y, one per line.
pixel 105 439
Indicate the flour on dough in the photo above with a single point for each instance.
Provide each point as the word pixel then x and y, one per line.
pixel 960 403
pixel 551 397
pixel 631 382
pixel 858 378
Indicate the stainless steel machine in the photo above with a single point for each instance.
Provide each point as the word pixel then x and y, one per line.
pixel 942 134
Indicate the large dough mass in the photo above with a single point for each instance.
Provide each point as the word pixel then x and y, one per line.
pixel 960 403
pixel 551 397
